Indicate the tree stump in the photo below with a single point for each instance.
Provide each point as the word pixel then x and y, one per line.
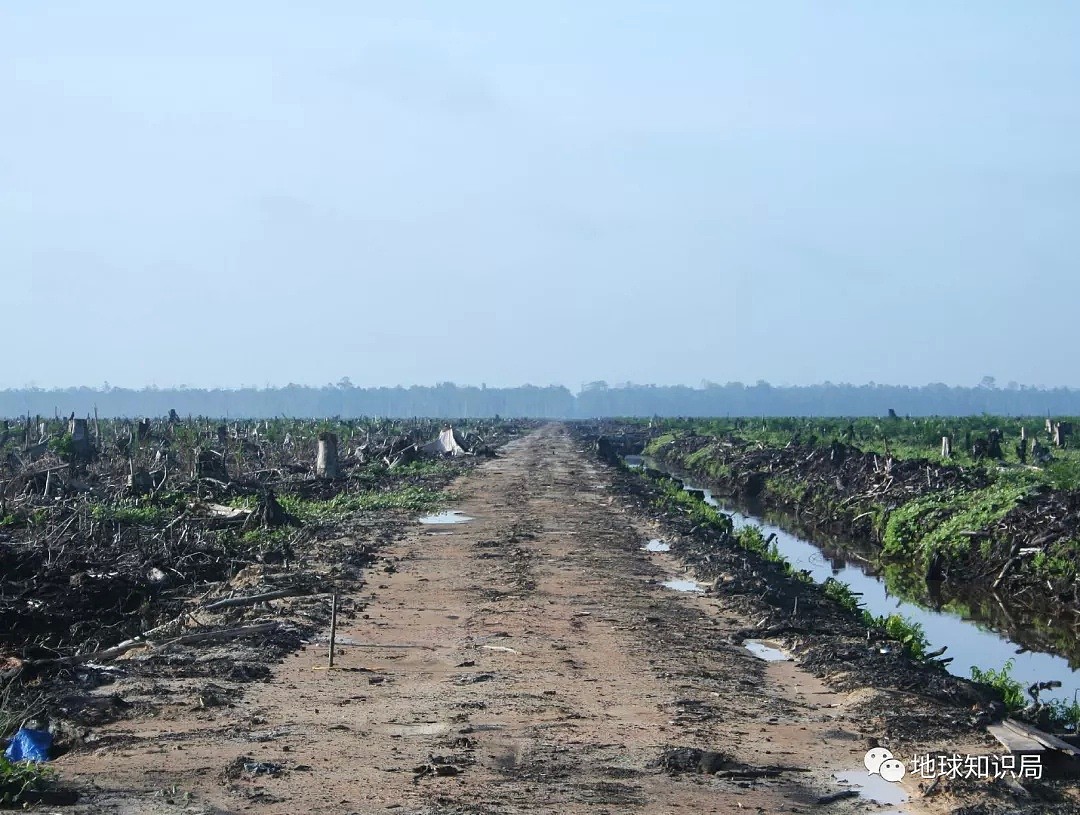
pixel 1062 430
pixel 326 464
pixel 210 464
pixel 140 482
pixel 272 514
pixel 80 439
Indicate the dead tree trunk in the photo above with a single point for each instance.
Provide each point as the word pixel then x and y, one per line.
pixel 1062 431
pixel 80 439
pixel 326 465
pixel 946 447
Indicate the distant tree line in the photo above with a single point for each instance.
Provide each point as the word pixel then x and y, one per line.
pixel 447 400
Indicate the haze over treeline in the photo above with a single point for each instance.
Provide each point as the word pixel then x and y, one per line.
pixel 447 400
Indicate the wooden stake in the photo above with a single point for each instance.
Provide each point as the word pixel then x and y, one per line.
pixel 333 629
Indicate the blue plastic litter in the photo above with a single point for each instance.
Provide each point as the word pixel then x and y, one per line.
pixel 29 745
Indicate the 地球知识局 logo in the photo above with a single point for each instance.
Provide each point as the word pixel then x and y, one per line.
pixel 880 761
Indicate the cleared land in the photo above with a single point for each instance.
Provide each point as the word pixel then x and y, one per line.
pixel 529 660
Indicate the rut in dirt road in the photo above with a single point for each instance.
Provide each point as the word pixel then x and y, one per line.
pixel 528 660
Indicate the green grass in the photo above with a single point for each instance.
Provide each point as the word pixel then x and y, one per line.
pixel 413 499
pixel 139 513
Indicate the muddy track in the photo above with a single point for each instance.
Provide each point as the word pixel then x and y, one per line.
pixel 526 661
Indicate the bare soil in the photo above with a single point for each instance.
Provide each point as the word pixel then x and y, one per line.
pixel 529 660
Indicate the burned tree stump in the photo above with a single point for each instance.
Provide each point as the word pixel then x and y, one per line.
pixel 81 449
pixel 273 514
pixel 1062 430
pixel 210 464
pixel 1039 453
pixel 140 482
pixel 326 464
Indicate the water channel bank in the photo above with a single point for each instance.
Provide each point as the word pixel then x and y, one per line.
pixel 962 622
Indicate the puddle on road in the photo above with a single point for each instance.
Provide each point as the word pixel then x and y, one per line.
pixel 451 516
pixel 657 545
pixel 874 788
pixel 766 651
pixel 418 729
pixel 682 585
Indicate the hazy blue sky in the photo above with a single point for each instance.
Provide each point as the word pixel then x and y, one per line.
pixel 246 192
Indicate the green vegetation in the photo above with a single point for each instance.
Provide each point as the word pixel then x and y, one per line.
pixel 18 780
pixel 1011 690
pixel 63 445
pixel 1059 561
pixel 937 521
pixel 917 522
pixel 131 511
pixel 673 495
pixel 841 593
pixel 907 632
pixel 895 626
pixel 410 498
pixel 902 438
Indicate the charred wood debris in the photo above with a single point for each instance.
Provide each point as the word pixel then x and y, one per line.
pixel 149 539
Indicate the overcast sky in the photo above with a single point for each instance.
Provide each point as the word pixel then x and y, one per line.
pixel 226 193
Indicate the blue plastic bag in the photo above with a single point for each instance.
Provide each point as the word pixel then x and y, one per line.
pixel 29 745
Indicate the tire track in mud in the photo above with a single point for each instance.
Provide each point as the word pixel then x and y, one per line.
pixel 526 661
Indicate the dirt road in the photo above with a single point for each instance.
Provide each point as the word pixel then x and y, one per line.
pixel 529 660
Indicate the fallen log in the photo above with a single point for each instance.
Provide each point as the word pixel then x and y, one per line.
pixel 136 642
pixel 218 636
pixel 843 795
pixel 252 599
